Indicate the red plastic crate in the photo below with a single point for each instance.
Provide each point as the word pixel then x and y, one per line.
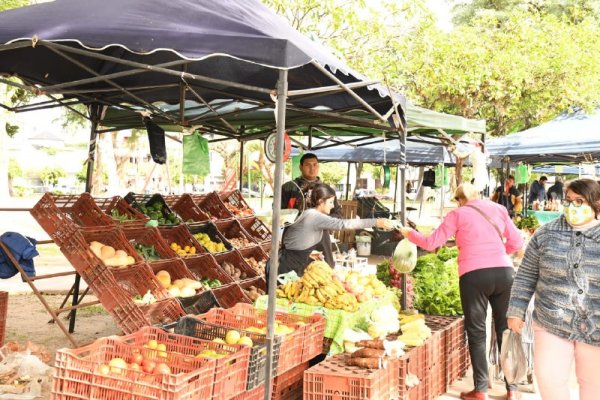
pixel 212 206
pixel 136 200
pixel 288 386
pixel 188 210
pixel 163 312
pixel 175 267
pixel 138 279
pixel 182 236
pixel 333 379
pixel 235 259
pixel 256 258
pixel 313 326
pixel 209 330
pixel 205 266
pixel 235 203
pixel 235 234
pixel 257 393
pixel 213 234
pixel 171 199
pixel 258 283
pixel 78 375
pixel 266 247
pixel 83 211
pixel 257 229
pixel 83 260
pixel 3 314
pixel 229 295
pixel 149 237
pixel 135 218
pixel 108 236
pixel 231 371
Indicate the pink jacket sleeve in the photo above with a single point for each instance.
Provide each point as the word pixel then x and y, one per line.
pixel 439 237
pixel 514 240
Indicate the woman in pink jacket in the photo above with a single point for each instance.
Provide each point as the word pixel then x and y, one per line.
pixel 485 236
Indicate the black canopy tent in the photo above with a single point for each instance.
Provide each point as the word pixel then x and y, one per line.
pixel 132 54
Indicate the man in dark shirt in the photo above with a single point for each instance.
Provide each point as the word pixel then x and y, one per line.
pixel 555 192
pixel 508 195
pixel 537 191
pixel 294 195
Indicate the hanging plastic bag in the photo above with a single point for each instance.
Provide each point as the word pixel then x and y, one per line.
pixel 404 258
pixel 196 160
pixel 512 357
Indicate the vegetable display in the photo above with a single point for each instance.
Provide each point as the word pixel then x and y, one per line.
pixel 436 285
pixel 111 257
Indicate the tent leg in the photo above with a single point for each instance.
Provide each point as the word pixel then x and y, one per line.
pixel 240 186
pixel 348 182
pixel 282 86
pixel 403 203
pixel 396 187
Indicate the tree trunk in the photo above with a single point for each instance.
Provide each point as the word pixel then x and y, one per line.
pixel 359 168
pixel 458 171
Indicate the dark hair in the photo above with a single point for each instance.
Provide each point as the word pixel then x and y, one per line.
pixel 543 178
pixel 510 177
pixel 319 192
pixel 589 190
pixel 308 156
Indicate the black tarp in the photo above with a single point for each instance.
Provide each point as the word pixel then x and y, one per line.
pixel 239 41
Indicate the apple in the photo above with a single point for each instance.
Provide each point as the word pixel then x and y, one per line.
pixel 162 350
pixel 135 367
pixel 117 365
pixel 162 368
pixel 152 344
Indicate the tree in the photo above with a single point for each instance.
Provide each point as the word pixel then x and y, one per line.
pixel 50 175
pixel 332 173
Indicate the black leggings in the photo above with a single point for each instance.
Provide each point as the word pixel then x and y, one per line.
pixel 477 288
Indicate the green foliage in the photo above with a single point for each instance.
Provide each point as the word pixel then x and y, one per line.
pixel 51 151
pixel 8 4
pixel 14 169
pixel 436 287
pixel 383 272
pixel 50 175
pixel 11 130
pixel 446 253
pixel 332 173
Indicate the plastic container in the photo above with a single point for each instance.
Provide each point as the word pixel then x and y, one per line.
pixel 148 236
pixel 257 229
pixel 118 204
pixel 182 236
pixel 212 205
pixel 213 234
pixel 188 210
pixel 363 245
pixel 205 266
pixel 198 304
pixel 229 295
pixel 234 259
pixel 256 258
pixel 138 279
pixel 235 234
pixel 235 203
pixel 333 379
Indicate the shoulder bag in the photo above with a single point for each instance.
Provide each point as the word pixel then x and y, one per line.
pixel 489 220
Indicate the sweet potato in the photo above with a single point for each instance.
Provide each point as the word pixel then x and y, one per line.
pixel 371 344
pixel 371 363
pixel 368 353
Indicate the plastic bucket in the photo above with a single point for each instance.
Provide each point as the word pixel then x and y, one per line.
pixel 363 245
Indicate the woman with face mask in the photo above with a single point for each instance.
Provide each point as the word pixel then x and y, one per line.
pixel 562 267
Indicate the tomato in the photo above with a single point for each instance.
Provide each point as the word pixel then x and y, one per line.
pixel 137 358
pixel 135 367
pixel 148 366
pixel 162 368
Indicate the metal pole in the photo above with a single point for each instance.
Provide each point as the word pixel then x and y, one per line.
pixel 275 227
pixel 396 186
pixel 348 182
pixel 403 203
pixel 242 168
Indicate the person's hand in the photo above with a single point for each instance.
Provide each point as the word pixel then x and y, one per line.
pixel 515 324
pixel 384 223
pixel 405 231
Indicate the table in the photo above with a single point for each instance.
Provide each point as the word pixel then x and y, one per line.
pixel 544 216
pixel 336 321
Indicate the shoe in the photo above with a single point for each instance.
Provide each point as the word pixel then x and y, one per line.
pixel 513 395
pixel 474 395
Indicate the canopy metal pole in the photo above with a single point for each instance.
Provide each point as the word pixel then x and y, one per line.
pixel 403 204
pixel 348 181
pixel 396 186
pixel 282 85
pixel 240 186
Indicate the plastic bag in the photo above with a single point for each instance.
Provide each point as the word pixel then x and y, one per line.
pixel 404 258
pixel 512 357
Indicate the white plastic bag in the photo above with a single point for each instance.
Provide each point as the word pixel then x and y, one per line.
pixel 512 357
pixel 404 258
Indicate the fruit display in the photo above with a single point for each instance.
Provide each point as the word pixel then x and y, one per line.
pixel 144 300
pixel 155 212
pixel 111 257
pixel 147 251
pixel 236 273
pixel 240 242
pixel 254 293
pixel 239 211
pixel 257 265
pixel 208 244
pixel 210 283
pixel 184 251
pixel 152 359
pixel 184 287
pixel 316 287
pixel 364 287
